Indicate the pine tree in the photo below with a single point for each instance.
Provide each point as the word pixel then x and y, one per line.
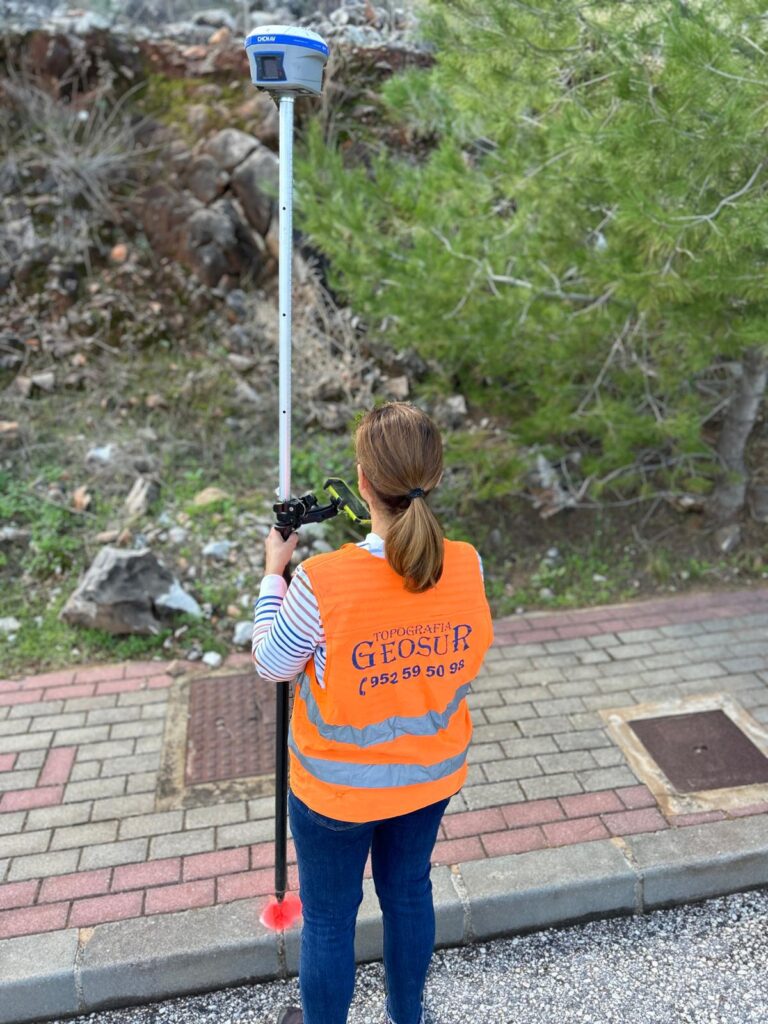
pixel 584 246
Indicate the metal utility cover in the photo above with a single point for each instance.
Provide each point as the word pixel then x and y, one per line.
pixel 703 750
pixel 231 730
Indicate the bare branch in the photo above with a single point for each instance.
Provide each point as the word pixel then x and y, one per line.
pixel 726 201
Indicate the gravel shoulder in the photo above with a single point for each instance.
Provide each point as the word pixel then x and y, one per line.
pixel 698 964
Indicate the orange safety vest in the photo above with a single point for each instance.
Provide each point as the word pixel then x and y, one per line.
pixel 389 732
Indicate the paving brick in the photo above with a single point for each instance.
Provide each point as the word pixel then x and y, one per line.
pixel 151 824
pixel 24 842
pixel 626 823
pixel 218 814
pixel 17 780
pixel 559 706
pixel 544 726
pixel 606 778
pixel 527 746
pixel 603 640
pixel 68 887
pixel 518 840
pixel 20 697
pixel 261 807
pixel 540 676
pixel 479 753
pixel 27 741
pixel 177 843
pixel 485 699
pixel 244 885
pixel 122 806
pixel 566 646
pixel 636 796
pixel 120 686
pixel 68 692
pixel 142 782
pixel 84 771
pixel 608 757
pixel 569 761
pixel 123 730
pixel 493 733
pixel 24 799
pixel 84 835
pixel 18 894
pixel 41 865
pixel 110 854
pixel 702 670
pixel 515 768
pixel 743 812
pixel 61 677
pixel 60 721
pixel 523 694
pixel 144 668
pixel 57 767
pixel 86 734
pixel 148 744
pixel 585 739
pixel 31 920
pixel 531 812
pixel 593 657
pixel 456 851
pixel 576 830
pixel 30 758
pixel 60 814
pixel 633 651
pixel 98 909
pixel 129 765
pixel 14 726
pixel 140 876
pixel 584 804
pixel 473 823
pixel 493 794
pixel 222 862
pixel 163 681
pixel 246 832
pixel 32 708
pixel 109 715
pixel 622 699
pixel 509 713
pixel 151 711
pixel 11 823
pixel 107 750
pixel 94 789
pixel 169 898
pixel 580 688
pixel 89 703
pixel 550 785
pixel 127 700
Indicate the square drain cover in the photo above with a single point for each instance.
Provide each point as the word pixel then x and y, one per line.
pixel 704 750
pixel 219 740
pixel 231 728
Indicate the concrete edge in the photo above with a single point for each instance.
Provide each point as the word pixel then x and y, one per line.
pixel 71 972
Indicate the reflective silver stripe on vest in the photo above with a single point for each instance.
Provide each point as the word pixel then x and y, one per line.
pixel 376 776
pixel 380 732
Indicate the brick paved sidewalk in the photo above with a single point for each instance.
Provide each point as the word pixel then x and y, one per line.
pixel 82 841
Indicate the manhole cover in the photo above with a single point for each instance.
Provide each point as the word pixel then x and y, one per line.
pixel 703 750
pixel 231 728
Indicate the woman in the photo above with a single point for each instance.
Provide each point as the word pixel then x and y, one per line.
pixel 388 636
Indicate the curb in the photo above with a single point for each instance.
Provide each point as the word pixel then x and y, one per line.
pixel 76 971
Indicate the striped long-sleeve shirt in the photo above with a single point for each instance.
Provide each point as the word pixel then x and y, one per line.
pixel 287 628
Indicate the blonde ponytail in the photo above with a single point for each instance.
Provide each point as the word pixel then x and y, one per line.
pixel 401 454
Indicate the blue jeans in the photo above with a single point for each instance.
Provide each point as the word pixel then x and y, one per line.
pixel 331 856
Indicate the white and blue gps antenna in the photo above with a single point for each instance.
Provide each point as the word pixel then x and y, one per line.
pixel 287 62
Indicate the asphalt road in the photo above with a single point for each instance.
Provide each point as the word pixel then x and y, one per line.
pixel 702 964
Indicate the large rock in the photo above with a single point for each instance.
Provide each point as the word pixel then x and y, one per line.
pixel 230 147
pixel 211 240
pixel 127 592
pixel 205 179
pixel 255 183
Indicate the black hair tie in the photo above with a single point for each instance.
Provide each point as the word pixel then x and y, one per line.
pixel 416 493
